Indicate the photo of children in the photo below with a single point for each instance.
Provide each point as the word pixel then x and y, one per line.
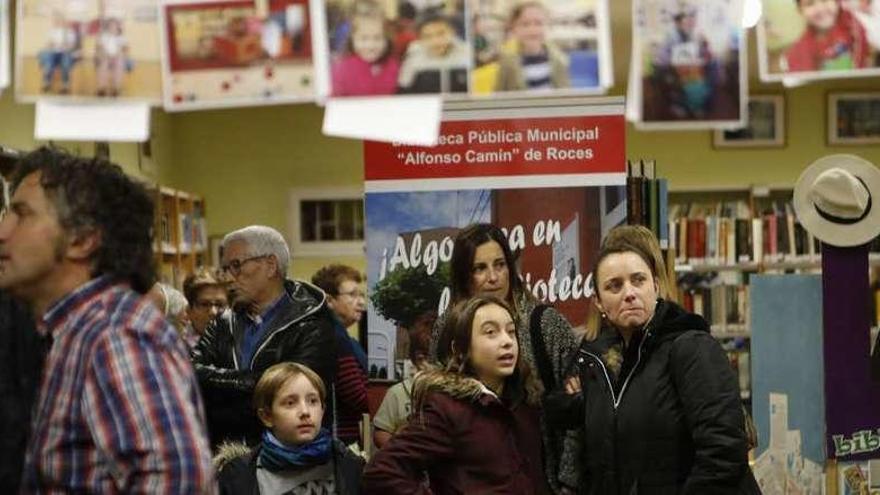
pixel 236 53
pixel 535 45
pixel 88 49
pixel 690 63
pixel 396 47
pixel 5 45
pixel 819 39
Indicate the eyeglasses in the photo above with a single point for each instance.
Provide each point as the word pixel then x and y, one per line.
pixel 234 267
pixel 354 294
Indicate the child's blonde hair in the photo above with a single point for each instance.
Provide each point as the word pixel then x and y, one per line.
pixel 276 376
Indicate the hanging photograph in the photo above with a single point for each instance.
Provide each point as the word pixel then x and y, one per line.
pixel 235 53
pixel 5 45
pixel 87 49
pixel 539 46
pixel 854 118
pixel 386 48
pixel 819 39
pixel 689 63
pixel 765 125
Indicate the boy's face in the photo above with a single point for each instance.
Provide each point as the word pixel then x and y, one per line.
pixel 436 37
pixel 819 14
pixel 296 412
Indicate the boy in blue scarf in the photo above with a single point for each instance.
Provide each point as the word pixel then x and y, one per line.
pixel 296 455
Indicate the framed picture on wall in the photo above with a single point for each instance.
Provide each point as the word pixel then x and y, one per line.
pixel 765 125
pixel 854 118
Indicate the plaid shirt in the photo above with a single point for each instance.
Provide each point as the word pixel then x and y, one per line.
pixel 119 409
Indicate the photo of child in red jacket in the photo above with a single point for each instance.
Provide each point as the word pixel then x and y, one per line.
pixel 833 39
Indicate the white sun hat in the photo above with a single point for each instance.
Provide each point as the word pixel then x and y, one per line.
pixel 837 199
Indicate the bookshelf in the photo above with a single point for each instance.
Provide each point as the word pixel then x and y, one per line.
pixel 719 237
pixel 180 243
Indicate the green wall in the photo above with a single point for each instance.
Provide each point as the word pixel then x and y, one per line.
pixel 17 131
pixel 245 161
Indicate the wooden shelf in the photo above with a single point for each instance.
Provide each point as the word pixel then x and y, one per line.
pixel 179 222
pixel 801 262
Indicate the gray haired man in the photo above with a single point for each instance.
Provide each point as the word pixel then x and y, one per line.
pixel 272 319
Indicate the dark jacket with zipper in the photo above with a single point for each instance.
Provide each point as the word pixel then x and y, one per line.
pixel 238 475
pixel 671 423
pixel 301 331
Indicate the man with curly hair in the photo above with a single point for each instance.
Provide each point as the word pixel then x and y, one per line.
pixel 119 408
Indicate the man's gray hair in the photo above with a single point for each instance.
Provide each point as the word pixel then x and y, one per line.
pixel 262 241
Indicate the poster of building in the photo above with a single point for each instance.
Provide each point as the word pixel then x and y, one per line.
pixel 551 177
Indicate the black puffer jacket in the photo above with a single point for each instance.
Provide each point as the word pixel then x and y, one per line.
pixel 672 423
pixel 301 331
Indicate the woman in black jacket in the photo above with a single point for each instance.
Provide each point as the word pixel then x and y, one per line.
pixel 654 391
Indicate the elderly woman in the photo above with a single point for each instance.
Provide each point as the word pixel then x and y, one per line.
pixel 482 264
pixel 654 391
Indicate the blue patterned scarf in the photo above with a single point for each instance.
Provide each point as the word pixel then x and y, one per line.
pixel 276 456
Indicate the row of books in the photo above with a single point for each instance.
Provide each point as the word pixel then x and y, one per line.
pixel 647 199
pixel 726 233
pixel 193 232
pixel 722 299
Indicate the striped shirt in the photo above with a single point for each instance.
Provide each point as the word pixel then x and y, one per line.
pixel 350 387
pixel 537 71
pixel 119 409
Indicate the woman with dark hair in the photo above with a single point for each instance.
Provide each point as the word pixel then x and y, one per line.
pixel 475 421
pixel 664 413
pixel 482 264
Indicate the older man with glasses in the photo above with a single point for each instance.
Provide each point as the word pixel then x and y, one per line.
pixel 273 319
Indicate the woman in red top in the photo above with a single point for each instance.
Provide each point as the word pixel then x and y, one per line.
pixel 475 424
